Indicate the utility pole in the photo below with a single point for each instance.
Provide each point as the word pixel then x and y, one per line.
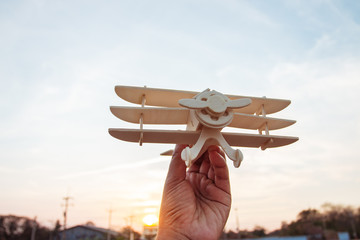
pixel 131 232
pixel 66 199
pixel 108 234
pixel 131 229
pixel 237 223
pixel 33 230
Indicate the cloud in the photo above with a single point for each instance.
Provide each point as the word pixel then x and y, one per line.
pixel 116 168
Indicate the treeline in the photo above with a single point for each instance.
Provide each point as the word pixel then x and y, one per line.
pixel 23 228
pixel 257 232
pixel 319 224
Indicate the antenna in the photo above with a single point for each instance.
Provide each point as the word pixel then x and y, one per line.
pixel 66 199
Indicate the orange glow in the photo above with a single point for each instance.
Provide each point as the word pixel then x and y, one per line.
pixel 150 220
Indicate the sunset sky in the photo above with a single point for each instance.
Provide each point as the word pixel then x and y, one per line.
pixel 60 61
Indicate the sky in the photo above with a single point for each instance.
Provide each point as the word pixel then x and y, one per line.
pixel 60 61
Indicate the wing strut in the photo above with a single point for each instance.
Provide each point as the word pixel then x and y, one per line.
pixel 141 120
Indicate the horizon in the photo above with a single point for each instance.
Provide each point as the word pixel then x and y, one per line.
pixel 151 220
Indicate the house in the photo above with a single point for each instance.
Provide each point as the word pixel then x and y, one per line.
pixel 87 232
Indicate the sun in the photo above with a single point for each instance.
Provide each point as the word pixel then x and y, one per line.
pixel 150 220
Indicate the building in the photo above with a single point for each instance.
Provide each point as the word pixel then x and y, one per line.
pixel 86 232
pixel 335 236
pixel 150 232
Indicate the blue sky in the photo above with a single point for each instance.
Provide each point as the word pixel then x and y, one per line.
pixel 59 63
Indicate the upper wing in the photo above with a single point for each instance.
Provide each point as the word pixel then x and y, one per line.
pixel 170 98
pixel 153 96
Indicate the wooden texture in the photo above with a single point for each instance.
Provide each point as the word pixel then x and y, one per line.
pixel 154 96
pixel 205 114
pixel 215 102
pixel 153 115
pixel 210 136
pixel 170 98
pixel 167 153
pixel 190 137
pixel 254 122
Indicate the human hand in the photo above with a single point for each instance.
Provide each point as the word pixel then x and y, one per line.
pixel 195 203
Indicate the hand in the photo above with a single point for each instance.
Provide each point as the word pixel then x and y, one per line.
pixel 195 203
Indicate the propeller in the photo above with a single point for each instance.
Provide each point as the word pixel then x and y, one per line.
pixel 214 102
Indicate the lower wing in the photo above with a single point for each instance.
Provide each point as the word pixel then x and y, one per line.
pixel 190 137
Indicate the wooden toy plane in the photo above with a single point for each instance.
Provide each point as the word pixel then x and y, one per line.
pixel 205 114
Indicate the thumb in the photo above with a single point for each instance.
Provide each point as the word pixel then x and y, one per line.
pixel 177 167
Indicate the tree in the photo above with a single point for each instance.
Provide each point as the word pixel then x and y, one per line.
pixel 259 231
pixel 126 231
pixel 333 218
pixel 20 228
pixel 54 235
pixel 342 218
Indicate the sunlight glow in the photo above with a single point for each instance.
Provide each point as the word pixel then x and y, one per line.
pixel 150 220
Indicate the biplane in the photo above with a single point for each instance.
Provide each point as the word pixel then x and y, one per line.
pixel 205 114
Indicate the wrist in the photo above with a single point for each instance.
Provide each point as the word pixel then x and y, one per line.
pixel 168 233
